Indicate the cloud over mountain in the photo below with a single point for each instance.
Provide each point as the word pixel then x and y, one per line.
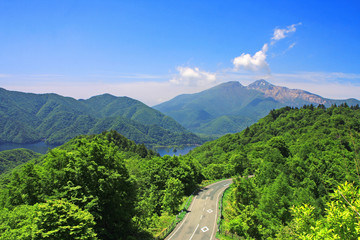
pixel 193 77
pixel 255 63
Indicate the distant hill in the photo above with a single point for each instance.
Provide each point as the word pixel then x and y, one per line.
pixel 231 107
pixel 27 118
pixel 12 158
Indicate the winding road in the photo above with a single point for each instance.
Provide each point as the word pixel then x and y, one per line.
pixel 200 222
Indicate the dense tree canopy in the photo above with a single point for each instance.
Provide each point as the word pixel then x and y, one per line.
pixel 11 158
pixel 115 189
pixel 28 118
pixel 304 181
pixel 297 157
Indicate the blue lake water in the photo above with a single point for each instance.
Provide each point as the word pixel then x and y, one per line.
pixel 42 147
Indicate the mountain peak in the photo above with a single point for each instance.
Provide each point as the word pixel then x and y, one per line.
pixel 231 84
pixel 260 84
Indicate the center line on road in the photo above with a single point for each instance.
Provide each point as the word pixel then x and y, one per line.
pixel 183 221
pixel 201 217
pixel 194 232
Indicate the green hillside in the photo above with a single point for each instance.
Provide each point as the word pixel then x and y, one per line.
pixel 299 158
pixel 231 107
pixel 218 110
pixel 95 187
pixel 27 118
pixel 12 158
pixel 305 165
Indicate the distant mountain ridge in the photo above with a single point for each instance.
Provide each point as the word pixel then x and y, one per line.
pixel 286 95
pixel 28 117
pixel 231 107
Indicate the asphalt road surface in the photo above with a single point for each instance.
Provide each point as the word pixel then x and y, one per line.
pixel 200 222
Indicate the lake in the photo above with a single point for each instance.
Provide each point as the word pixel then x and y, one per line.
pixel 42 147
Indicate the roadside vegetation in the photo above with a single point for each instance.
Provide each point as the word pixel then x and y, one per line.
pixel 306 175
pixel 305 164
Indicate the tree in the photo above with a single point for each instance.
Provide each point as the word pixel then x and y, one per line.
pixel 93 176
pixel 60 219
pixel 172 195
pixel 54 219
pixel 341 221
pixel 16 223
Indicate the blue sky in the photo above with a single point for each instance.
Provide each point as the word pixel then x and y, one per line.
pixel 155 50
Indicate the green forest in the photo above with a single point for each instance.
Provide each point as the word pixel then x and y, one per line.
pixel 304 180
pixel 230 107
pixel 305 167
pixel 54 119
pixel 95 187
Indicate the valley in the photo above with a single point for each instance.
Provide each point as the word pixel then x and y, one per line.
pixel 231 107
pixel 298 156
pixel 32 118
pixel 179 120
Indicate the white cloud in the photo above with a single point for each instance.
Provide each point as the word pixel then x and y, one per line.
pixel 150 92
pixel 282 33
pixel 254 63
pixel 291 45
pixel 335 85
pixel 193 77
pixel 257 62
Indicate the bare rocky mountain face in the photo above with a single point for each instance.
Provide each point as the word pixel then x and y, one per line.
pixel 284 94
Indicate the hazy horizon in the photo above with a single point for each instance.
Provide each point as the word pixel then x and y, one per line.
pixel 154 51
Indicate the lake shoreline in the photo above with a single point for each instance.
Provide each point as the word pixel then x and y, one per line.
pixel 43 148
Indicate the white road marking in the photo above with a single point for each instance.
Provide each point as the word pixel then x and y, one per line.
pixel 202 216
pixel 226 184
pixel 183 221
pixel 209 210
pixel 194 232
pixel 216 209
pixel 205 229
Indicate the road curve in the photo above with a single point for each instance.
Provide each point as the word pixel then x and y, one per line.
pixel 200 222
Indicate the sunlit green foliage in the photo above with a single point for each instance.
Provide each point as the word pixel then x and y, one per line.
pixel 124 188
pixel 54 219
pixel 297 156
pixel 11 158
pixel 300 159
pixel 341 219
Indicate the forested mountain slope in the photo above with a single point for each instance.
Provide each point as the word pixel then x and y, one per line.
pixel 11 158
pixel 95 187
pixel 301 159
pixel 231 107
pixel 27 117
pixel 305 164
